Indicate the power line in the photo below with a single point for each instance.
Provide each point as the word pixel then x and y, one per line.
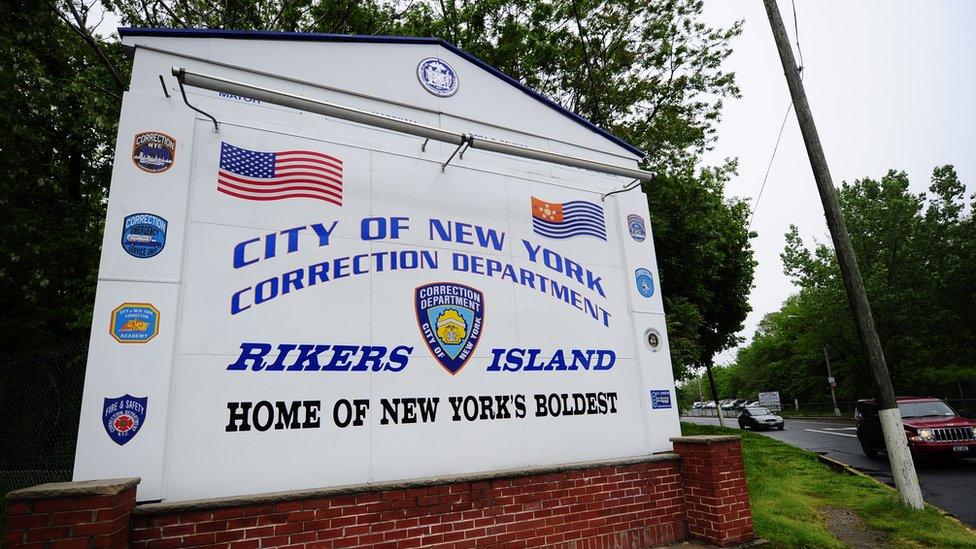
pixel 796 33
pixel 769 167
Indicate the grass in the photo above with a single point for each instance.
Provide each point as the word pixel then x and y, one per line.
pixel 788 485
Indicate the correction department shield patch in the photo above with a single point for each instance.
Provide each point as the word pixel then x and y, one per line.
pixel 123 417
pixel 451 318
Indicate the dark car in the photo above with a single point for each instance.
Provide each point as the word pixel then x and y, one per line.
pixel 759 417
pixel 932 428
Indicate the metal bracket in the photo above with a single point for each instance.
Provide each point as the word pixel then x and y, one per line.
pixel 465 140
pixel 163 84
pixel 216 124
pixel 632 185
pixel 464 150
pixel 423 146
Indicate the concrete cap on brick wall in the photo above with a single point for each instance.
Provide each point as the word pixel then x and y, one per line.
pixel 706 439
pixel 107 487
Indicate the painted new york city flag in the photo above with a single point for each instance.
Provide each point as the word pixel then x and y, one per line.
pixel 568 219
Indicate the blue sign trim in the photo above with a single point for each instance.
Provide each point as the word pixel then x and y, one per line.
pixel 319 37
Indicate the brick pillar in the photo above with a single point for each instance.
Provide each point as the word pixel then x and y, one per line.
pixel 716 496
pixel 92 513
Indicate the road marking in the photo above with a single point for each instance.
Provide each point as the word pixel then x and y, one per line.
pixel 840 428
pixel 831 433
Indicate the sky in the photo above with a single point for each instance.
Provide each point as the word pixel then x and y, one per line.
pixel 891 86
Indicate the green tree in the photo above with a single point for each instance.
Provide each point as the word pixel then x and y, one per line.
pixel 58 110
pixel 649 71
pixel 916 253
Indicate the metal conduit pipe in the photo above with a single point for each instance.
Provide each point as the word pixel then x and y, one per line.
pixel 285 99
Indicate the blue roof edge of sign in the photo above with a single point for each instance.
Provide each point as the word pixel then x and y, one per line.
pixel 321 37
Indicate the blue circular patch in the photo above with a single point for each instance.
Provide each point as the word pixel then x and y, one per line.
pixel 635 224
pixel 437 77
pixel 645 282
pixel 143 235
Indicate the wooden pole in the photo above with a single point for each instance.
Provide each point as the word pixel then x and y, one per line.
pixel 902 467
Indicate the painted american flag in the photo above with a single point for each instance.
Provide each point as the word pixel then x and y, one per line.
pixel 254 175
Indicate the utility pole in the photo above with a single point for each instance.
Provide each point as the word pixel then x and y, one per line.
pixel 902 467
pixel 718 405
pixel 831 382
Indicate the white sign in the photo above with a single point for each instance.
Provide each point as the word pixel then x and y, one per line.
pixel 317 305
pixel 770 400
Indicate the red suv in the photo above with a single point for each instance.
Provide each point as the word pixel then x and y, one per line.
pixel 932 428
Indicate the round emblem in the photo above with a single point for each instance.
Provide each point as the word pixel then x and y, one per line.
pixel 635 224
pixel 143 235
pixel 437 77
pixel 645 282
pixel 153 152
pixel 653 339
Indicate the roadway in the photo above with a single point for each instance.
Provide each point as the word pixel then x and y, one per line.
pixel 948 484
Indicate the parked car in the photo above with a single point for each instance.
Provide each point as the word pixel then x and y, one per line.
pixel 759 417
pixel 932 427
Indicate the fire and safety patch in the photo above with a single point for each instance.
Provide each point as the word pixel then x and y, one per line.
pixel 123 417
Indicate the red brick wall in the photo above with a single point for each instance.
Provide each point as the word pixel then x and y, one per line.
pixel 715 492
pixel 629 504
pixel 70 521
pixel 634 505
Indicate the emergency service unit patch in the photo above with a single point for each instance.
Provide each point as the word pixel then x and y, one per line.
pixel 451 319
pixel 143 235
pixel 123 417
pixel 153 152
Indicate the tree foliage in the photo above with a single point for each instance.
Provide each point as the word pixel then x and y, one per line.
pixel 916 254
pixel 649 71
pixel 58 111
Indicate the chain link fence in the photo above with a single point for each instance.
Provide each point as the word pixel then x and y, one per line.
pixel 40 400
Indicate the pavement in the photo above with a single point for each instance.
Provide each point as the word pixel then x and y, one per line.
pixel 949 484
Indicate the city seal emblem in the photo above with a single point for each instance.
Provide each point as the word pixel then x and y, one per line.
pixel 451 319
pixel 143 235
pixel 123 417
pixel 437 77
pixel 153 152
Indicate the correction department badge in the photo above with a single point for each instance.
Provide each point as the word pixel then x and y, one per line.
pixel 437 77
pixel 153 152
pixel 134 323
pixel 451 318
pixel 635 224
pixel 123 417
pixel 143 235
pixel 645 282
